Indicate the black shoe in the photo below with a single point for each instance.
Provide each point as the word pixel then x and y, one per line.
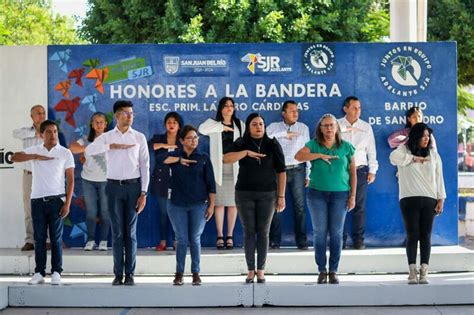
pixel 260 280
pixel 117 281
pixel 129 280
pixel 302 247
pixel 220 244
pixel 229 243
pixel 359 245
pixel 274 246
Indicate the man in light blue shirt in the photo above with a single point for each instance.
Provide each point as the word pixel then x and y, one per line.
pixel 292 136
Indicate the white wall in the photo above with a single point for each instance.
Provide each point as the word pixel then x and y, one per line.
pixel 23 83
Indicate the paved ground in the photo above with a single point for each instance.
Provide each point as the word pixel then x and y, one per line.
pixel 407 310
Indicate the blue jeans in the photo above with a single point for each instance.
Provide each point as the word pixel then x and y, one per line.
pixel 163 210
pixel 295 185
pixel 358 213
pixel 46 216
pixel 188 224
pixel 96 203
pixel 328 211
pixel 122 200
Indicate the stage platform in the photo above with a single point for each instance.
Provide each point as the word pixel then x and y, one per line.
pixel 283 261
pixel 222 291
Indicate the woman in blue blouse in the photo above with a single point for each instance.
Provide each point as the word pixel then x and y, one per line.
pixel 161 145
pixel 193 191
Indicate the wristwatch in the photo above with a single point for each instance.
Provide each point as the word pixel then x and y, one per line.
pixel 144 193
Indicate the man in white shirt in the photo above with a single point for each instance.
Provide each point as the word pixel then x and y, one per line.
pixel 29 136
pixel 292 136
pixel 360 134
pixel 128 176
pixel 51 164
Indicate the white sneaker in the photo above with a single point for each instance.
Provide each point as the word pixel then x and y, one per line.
pixel 36 279
pixel 55 278
pixel 103 245
pixel 90 245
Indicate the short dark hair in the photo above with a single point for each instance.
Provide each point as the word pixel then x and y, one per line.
pixel 414 137
pixel 285 105
pixel 348 100
pixel 176 116
pixel 411 111
pixel 185 130
pixel 47 123
pixel 118 105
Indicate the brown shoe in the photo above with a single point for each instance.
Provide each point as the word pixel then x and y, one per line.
pixel 323 278
pixel 27 247
pixel 333 279
pixel 178 278
pixel 196 279
pixel 48 246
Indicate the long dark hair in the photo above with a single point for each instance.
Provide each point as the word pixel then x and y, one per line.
pixel 91 135
pixel 221 106
pixel 410 112
pixel 318 134
pixel 249 119
pixel 414 137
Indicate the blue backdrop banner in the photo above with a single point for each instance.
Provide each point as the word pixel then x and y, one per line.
pixel 190 79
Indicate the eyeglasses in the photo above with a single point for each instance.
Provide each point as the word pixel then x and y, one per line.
pixel 192 138
pixel 129 114
pixel 328 125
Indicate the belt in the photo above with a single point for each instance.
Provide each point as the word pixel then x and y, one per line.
pixel 361 166
pixel 27 172
pixel 48 198
pixel 124 181
pixel 290 167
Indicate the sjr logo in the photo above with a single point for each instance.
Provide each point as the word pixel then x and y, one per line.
pixel 5 158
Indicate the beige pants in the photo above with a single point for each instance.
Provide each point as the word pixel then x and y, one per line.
pixel 27 179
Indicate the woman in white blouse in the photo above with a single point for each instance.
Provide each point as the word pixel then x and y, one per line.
pixel 222 132
pixel 421 194
pixel 94 180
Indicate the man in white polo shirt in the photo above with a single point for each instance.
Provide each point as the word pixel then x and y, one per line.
pixel 360 134
pixel 29 137
pixel 51 163
pixel 128 176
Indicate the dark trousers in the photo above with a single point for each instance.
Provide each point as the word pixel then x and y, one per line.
pixel 122 201
pixel 355 219
pixel 418 216
pixel 256 211
pixel 45 214
pixel 295 179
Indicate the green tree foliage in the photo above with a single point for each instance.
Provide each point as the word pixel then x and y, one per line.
pixel 454 20
pixel 229 21
pixel 28 22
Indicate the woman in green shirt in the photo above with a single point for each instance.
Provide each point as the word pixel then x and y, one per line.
pixel 333 182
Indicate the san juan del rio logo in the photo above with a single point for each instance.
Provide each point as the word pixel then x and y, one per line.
pixel 405 70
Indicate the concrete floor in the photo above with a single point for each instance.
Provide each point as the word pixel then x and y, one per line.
pixel 406 310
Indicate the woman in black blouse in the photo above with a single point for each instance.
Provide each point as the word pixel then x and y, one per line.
pixel 161 145
pixel 260 189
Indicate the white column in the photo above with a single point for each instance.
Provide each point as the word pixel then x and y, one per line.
pixel 408 20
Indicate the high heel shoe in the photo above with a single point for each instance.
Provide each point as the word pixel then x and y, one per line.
pixel 250 280
pixel 229 243
pixel 220 243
